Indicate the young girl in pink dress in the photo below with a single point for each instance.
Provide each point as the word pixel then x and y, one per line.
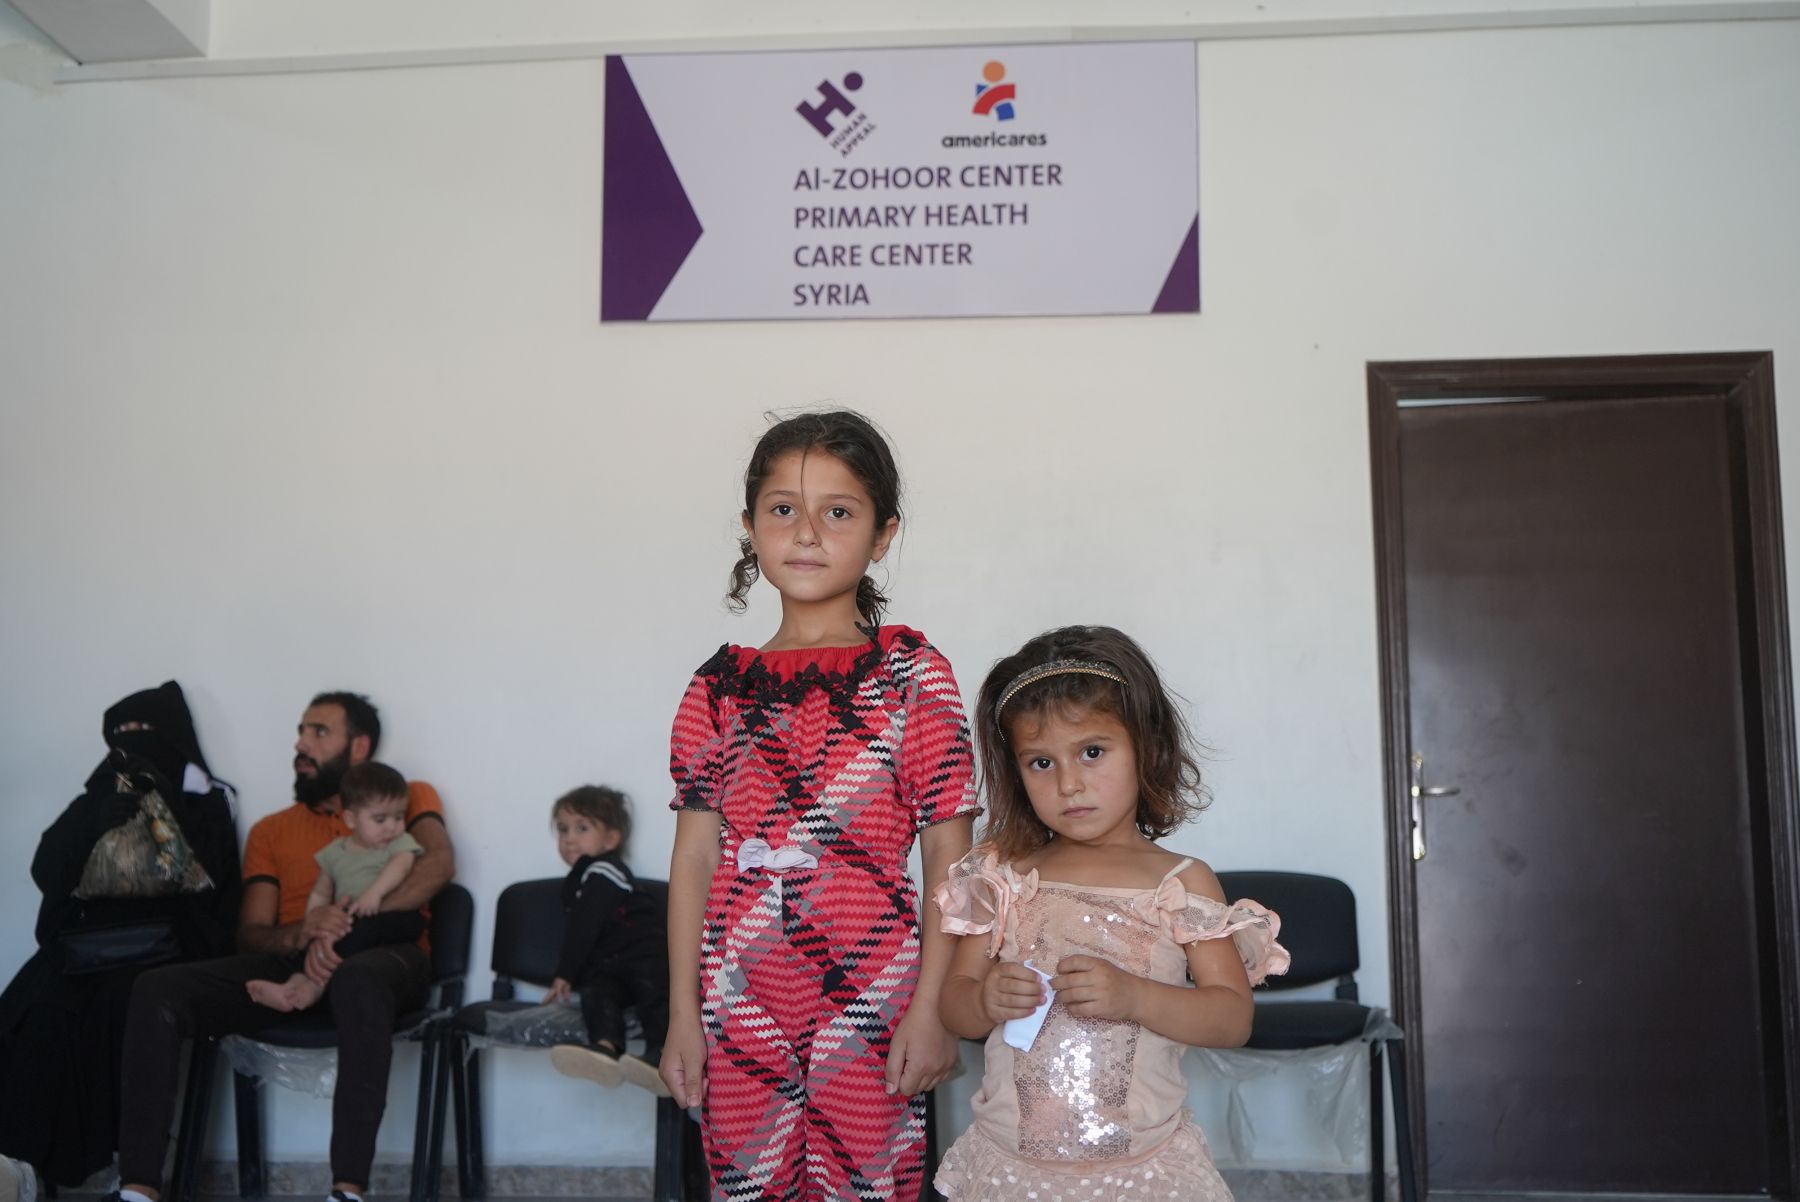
pixel 1080 936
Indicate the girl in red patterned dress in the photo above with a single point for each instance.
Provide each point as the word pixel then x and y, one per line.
pixel 803 1009
pixel 1080 937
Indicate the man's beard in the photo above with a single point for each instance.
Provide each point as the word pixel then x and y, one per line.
pixel 323 784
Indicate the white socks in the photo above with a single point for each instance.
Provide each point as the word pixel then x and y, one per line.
pixel 131 1195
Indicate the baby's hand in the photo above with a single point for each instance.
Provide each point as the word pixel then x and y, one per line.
pixel 1096 988
pixel 326 922
pixel 559 991
pixel 1010 991
pixel 367 904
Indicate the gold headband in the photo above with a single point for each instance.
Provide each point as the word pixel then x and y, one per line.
pixel 1057 667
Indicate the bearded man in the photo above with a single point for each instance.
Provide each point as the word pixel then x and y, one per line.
pixel 365 992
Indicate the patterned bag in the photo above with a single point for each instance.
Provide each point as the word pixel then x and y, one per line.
pixel 146 856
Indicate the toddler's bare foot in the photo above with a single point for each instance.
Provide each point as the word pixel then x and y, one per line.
pixel 273 994
pixel 303 991
pixel 298 992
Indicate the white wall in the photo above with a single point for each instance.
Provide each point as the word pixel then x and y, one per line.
pixel 302 388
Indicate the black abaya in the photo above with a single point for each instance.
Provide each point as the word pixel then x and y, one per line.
pixel 60 1033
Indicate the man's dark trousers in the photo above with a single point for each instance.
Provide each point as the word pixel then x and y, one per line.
pixel 367 993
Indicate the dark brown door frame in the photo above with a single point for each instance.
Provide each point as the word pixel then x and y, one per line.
pixel 1745 381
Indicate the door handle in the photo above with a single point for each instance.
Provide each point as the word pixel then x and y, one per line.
pixel 1417 792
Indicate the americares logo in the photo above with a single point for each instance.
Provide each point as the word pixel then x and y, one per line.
pixel 995 96
pixel 837 120
pixel 998 98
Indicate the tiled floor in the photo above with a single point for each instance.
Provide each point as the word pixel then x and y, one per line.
pixel 561 1184
pixel 1243 1191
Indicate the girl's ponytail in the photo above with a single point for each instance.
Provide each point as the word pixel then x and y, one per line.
pixel 870 602
pixel 745 573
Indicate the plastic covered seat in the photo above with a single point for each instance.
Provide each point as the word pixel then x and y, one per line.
pixel 528 932
pixel 1318 927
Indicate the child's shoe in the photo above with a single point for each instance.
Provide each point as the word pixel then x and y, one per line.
pixel 18 1181
pixel 643 1074
pixel 590 1064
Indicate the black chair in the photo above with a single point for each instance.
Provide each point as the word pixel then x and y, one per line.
pixel 528 932
pixel 452 926
pixel 1318 927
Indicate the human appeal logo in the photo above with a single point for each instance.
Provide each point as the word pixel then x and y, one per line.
pixel 995 96
pixel 838 121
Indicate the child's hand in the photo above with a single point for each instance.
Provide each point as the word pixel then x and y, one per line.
pixel 684 1061
pixel 322 960
pixel 559 991
pixel 1010 991
pixel 921 1054
pixel 327 922
pixel 1096 988
pixel 367 904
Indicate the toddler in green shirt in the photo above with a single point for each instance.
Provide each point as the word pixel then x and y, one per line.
pixel 356 872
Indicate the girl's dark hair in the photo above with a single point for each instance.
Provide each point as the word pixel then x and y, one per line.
pixel 370 782
pixel 598 803
pixel 1170 791
pixel 853 440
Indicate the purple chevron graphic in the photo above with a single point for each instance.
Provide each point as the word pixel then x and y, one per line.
pixel 647 226
pixel 1181 289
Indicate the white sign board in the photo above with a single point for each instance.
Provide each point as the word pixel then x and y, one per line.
pixel 958 182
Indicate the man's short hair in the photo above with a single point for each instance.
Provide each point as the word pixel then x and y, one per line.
pixel 369 782
pixel 360 715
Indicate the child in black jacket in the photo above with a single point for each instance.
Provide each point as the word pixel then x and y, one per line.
pixel 615 947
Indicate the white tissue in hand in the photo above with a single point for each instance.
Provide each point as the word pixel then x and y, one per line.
pixel 1021 1033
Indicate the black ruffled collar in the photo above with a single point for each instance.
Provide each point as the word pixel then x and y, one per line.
pixel 782 678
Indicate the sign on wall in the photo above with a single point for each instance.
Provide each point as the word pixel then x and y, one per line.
pixel 944 182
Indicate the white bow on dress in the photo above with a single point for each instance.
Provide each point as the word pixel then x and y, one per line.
pixel 756 855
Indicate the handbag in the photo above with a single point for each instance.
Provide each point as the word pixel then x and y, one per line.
pixel 118 945
pixel 146 856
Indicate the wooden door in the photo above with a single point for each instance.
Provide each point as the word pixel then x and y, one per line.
pixel 1581 627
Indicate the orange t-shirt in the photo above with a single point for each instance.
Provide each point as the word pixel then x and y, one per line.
pixel 281 847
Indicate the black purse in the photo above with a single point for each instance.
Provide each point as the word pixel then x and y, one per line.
pixel 118 945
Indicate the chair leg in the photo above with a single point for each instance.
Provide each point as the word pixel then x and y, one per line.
pixel 440 1094
pixel 253 1180
pixel 666 1185
pixel 696 1180
pixel 457 1054
pixel 469 1152
pixel 418 1187
pixel 1403 1152
pixel 196 1109
pixel 926 1193
pixel 1377 1134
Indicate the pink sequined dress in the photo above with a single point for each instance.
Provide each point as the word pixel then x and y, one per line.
pixel 1094 1112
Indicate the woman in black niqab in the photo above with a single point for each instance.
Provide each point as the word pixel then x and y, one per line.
pixel 154 727
pixel 60 1031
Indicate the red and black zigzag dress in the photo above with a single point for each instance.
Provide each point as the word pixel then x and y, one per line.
pixel 823 765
